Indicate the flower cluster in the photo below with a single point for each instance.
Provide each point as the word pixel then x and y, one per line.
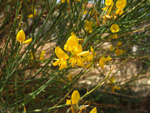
pixel 114 29
pixel 77 57
pixel 118 10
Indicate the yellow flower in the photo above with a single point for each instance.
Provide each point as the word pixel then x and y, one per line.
pixel 85 12
pixel 90 56
pixel 112 80
pixel 75 97
pixel 88 26
pixel 119 12
pixel 111 48
pixel 94 110
pixel 108 2
pixel 105 8
pixel 21 38
pixel 62 58
pixel 120 4
pixel 41 55
pixel 114 28
pixel 103 60
pixel 72 43
pixel 75 48
pixel 68 102
pixel 76 56
pixel 27 41
pixel 119 43
pixel 115 36
pixel 119 52
pixel 62 1
pixel 70 77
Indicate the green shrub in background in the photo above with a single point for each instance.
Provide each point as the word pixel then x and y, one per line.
pixel 49 48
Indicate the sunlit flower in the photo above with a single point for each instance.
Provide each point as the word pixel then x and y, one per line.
pixel 77 56
pixel 61 62
pixel 32 15
pixel 119 51
pixel 119 12
pixel 112 80
pixel 120 4
pixel 75 97
pixel 62 1
pixel 103 60
pixel 94 110
pixel 75 48
pixel 119 43
pixel 41 55
pixel 70 77
pixel 114 28
pixel 115 36
pixel 68 102
pixel 27 41
pixel 111 48
pixel 21 38
pixel 88 26
pixel 108 2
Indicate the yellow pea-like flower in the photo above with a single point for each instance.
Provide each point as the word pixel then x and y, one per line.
pixel 120 4
pixel 62 1
pixel 94 110
pixel 75 97
pixel 119 52
pixel 114 28
pixel 115 36
pixel 41 55
pixel 88 26
pixel 20 36
pixel 108 2
pixel 68 102
pixel 60 53
pixel 119 12
pixel 27 41
pixel 103 60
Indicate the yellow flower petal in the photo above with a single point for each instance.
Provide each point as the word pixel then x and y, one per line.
pixel 120 4
pixel 63 64
pixel 60 53
pixel 72 43
pixel 108 2
pixel 119 43
pixel 103 58
pixel 114 28
pixel 119 12
pixel 75 97
pixel 101 63
pixel 111 48
pixel 56 62
pixel 84 53
pixel 80 62
pixel 88 26
pixel 119 52
pixel 20 36
pixel 68 102
pixel 115 36
pixel 70 77
pixel 94 110
pixel 27 41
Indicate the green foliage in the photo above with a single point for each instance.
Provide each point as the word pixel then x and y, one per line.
pixel 29 84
